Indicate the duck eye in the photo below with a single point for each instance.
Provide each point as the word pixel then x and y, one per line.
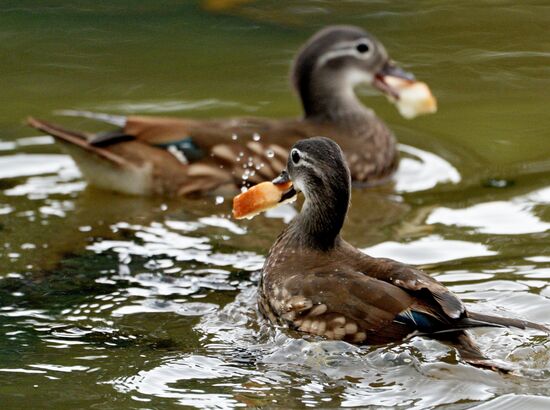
pixel 295 156
pixel 362 48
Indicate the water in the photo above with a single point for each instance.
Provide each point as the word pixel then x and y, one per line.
pixel 111 301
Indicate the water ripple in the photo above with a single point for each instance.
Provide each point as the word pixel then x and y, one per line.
pixel 512 217
pixel 429 249
pixel 420 170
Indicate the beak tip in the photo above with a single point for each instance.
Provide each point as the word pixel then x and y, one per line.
pixel 283 178
pixel 393 70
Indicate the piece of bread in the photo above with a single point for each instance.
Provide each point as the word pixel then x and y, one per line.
pixel 259 198
pixel 415 97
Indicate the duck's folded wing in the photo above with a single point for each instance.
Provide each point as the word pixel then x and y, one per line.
pixel 151 130
pixel 165 131
pixel 251 149
pixel 343 305
pixel 157 130
pixel 254 149
pixel 410 279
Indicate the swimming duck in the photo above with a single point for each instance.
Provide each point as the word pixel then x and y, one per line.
pixel 169 156
pixel 315 282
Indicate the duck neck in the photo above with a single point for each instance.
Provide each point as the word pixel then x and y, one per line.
pixel 321 219
pixel 332 100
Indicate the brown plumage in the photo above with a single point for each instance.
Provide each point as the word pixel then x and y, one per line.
pixel 317 283
pixel 167 156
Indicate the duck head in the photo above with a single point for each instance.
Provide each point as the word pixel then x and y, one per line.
pixel 317 168
pixel 333 62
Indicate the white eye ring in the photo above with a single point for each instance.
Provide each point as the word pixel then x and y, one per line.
pixel 363 48
pixel 295 156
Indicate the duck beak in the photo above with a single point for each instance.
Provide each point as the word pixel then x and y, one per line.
pixel 390 69
pixel 284 179
pixel 411 97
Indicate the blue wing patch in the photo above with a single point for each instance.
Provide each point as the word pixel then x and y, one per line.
pixel 419 321
pixel 186 147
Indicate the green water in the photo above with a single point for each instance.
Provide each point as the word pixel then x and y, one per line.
pixel 109 301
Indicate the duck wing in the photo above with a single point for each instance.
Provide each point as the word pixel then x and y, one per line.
pixel 168 131
pixel 450 309
pixel 338 305
pixel 133 167
pixel 407 278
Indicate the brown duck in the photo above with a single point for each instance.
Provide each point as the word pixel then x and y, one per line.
pixel 317 283
pixel 167 156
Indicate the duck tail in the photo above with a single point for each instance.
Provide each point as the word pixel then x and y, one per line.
pixel 480 319
pixel 470 353
pixel 75 139
pixel 103 166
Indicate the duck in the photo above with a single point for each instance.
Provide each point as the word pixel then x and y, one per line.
pixel 316 283
pixel 147 155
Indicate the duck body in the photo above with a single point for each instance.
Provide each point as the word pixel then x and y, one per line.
pixel 315 282
pixel 344 294
pixel 171 156
pixel 165 156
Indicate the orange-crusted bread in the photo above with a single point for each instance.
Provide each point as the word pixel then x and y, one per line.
pixel 259 198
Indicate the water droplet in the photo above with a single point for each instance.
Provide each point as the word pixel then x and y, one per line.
pixel 256 137
pixel 234 137
pixel 219 200
pixel 270 153
pixel 244 189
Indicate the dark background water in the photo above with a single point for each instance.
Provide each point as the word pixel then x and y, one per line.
pixel 111 301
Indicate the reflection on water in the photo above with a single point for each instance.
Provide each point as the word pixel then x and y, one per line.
pixel 21 165
pixel 515 216
pixel 429 249
pixel 420 170
pixel 150 303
